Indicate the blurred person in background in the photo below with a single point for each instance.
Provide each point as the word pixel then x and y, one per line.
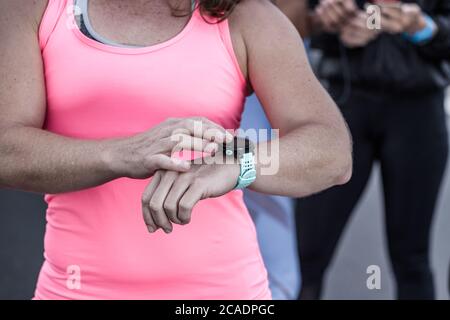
pixel 390 85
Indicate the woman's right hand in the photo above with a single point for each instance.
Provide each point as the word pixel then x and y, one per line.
pixel 141 155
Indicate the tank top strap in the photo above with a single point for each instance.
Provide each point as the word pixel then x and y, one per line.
pixel 52 14
pixel 225 36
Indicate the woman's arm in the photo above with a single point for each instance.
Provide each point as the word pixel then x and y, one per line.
pixel 35 160
pixel 314 146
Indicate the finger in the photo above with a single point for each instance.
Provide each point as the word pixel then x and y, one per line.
pixel 171 204
pixel 215 132
pixel 391 12
pixel 327 22
pixel 208 131
pixel 330 17
pixel 146 196
pixel 352 24
pixel 201 127
pixel 390 23
pixel 360 21
pixel 345 8
pixel 217 135
pixel 181 141
pixel 411 9
pixel 157 201
pixel 389 16
pixel 390 26
pixel 188 201
pixel 337 9
pixel 164 162
pixel 349 6
pixel 319 13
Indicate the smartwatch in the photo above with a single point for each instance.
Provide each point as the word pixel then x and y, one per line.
pixel 243 150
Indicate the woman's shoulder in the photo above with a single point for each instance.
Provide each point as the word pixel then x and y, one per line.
pixel 255 6
pixel 254 14
pixel 256 25
pixel 259 20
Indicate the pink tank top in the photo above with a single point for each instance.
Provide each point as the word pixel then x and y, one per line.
pixel 96 243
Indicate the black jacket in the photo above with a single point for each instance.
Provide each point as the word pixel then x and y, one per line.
pixel 391 62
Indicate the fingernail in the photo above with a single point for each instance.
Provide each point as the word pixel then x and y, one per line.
pixel 167 231
pixel 151 229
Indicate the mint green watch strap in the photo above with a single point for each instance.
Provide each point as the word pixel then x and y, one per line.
pixel 247 173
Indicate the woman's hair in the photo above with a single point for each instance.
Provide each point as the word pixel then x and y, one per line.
pixel 217 8
pixel 220 9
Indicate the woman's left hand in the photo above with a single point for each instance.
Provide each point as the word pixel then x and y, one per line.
pixel 170 196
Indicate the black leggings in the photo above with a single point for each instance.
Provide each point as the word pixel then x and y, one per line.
pixel 408 136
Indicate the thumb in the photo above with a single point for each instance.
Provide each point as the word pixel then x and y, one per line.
pixel 164 162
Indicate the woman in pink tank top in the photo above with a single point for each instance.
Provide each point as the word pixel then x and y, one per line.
pixel 91 125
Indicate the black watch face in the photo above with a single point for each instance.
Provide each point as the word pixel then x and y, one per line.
pixel 238 147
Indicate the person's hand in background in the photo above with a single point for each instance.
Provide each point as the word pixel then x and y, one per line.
pixel 171 196
pixel 401 17
pixel 332 15
pixel 356 33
